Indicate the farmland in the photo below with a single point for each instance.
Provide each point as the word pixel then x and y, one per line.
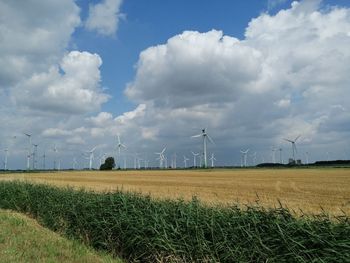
pixel 309 190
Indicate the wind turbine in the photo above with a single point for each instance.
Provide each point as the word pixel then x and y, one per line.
pixel 205 137
pixel 166 161
pixel 194 158
pixel 174 163
pixel 139 163
pixel 245 156
pixel 273 149
pixel 307 158
pixel 74 163
pixel 91 156
pixel 29 149
pixel 34 155
pixel 185 161
pixel 254 158
pixel 280 150
pixel 212 158
pixel 6 150
pixel 55 157
pixel 44 157
pixel 294 148
pixel 161 157
pixel 119 146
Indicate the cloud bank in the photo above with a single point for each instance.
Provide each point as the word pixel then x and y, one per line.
pixel 287 77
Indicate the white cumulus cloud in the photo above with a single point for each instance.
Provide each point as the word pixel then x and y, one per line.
pixel 75 90
pixel 104 17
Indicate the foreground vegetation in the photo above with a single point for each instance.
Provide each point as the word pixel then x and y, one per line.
pixel 141 229
pixel 23 240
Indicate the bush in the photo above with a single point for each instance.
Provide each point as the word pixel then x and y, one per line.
pixel 108 165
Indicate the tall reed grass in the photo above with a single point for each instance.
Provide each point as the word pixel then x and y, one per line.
pixel 141 229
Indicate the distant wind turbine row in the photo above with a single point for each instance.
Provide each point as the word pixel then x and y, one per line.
pixel 32 155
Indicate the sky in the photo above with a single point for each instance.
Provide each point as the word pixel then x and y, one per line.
pixel 75 74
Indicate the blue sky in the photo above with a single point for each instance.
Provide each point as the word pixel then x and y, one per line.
pixel 75 74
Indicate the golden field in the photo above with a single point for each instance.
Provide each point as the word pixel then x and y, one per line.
pixel 305 189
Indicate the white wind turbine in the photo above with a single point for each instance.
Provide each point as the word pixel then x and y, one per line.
pixel 34 155
pixel 307 158
pixel 55 150
pixel 44 160
pixel 174 161
pixel 205 137
pixel 166 161
pixel 185 161
pixel 91 156
pixel 273 149
pixel 29 149
pixel 74 163
pixel 280 150
pixel 254 157
pixel 212 159
pixel 194 158
pixel 119 146
pixel 139 163
pixel 161 157
pixel 6 150
pixel 245 153
pixel 294 148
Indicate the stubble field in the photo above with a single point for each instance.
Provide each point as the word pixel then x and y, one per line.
pixel 307 190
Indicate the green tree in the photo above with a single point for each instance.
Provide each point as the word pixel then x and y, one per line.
pixel 108 165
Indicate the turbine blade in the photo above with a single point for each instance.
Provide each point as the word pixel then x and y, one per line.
pixel 210 139
pixel 288 140
pixel 297 138
pixel 196 136
pixel 93 149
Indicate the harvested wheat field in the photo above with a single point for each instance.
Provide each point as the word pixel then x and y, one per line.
pixel 309 190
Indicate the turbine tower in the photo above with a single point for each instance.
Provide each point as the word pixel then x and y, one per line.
pixel 245 153
pixel 74 163
pixel 294 148
pixel 194 158
pixel 44 157
pixel 273 149
pixel 254 158
pixel 281 161
pixel 55 157
pixel 212 159
pixel 91 156
pixel 205 137
pixel 34 155
pixel 29 149
pixel 185 161
pixel 6 150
